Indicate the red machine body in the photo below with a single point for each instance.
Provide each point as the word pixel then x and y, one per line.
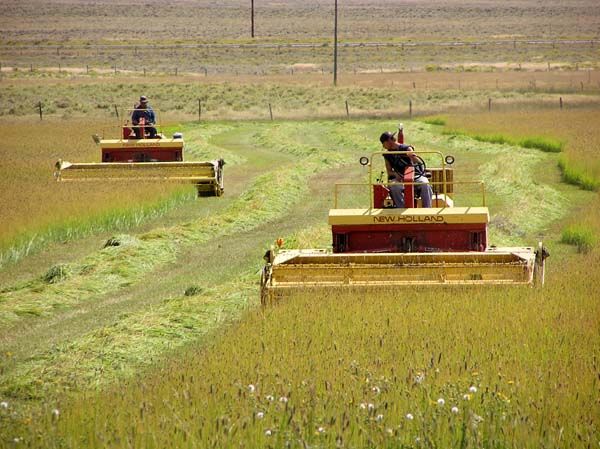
pixel 146 153
pixel 393 238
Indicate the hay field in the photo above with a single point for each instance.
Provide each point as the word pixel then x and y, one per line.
pixel 158 340
pixel 415 368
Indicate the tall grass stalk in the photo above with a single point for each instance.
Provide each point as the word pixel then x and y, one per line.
pixel 576 176
pixel 545 144
pixel 115 220
pixel 581 236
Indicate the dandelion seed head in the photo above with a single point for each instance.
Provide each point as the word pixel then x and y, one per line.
pixel 321 430
pixel 409 416
pixel 3 404
pixel 283 399
pixel 363 405
pixel 379 418
pixel 441 402
pixel 260 415
pixel 55 413
pixel 467 397
pixel 454 409
pixel 376 390
pixel 251 388
pixel 269 398
pixel 268 432
pixel 371 406
pixel 419 378
pixel 473 389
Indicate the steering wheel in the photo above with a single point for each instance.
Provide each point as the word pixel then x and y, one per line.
pixel 419 165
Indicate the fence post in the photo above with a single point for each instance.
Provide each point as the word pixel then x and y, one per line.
pixel 144 71
pixel 31 68
pixel 560 102
pixel 115 69
pixel 489 104
pixel 175 71
pixel 59 67
pixel 582 86
pixel 199 109
pixel 270 111
pixel 347 110
pixel 87 69
pixel 40 109
pixel 410 108
pixel 414 85
pixel 205 71
pixel 116 111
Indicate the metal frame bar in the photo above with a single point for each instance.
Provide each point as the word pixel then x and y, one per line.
pixel 444 183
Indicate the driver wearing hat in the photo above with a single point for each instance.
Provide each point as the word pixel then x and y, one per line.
pixel 396 164
pixel 143 111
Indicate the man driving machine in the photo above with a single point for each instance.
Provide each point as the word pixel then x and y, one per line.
pixel 396 165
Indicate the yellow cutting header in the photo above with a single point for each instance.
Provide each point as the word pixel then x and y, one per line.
pixel 449 215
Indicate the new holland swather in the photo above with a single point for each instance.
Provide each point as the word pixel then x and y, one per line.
pixel 147 158
pixel 381 245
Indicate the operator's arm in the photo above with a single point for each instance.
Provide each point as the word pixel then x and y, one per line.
pixel 388 167
pixel 151 116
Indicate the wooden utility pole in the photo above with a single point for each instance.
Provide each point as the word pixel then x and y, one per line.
pixel 335 39
pixel 252 18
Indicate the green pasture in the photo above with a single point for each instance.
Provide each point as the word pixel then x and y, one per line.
pixel 108 350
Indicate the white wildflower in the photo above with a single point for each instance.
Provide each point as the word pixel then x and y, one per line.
pixel 379 418
pixel 269 398
pixel 473 389
pixel 441 402
pixel 467 397
pixel 55 413
pixel 419 378
pixel 376 390
pixel 283 399
pixel 321 429
pixel 371 406
pixel 260 415
pixel 454 409
pixel 268 432
pixel 251 388
pixel 3 404
pixel 409 417
pixel 389 431
pixel 363 405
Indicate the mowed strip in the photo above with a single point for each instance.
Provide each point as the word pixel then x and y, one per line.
pixel 126 342
pixel 86 290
